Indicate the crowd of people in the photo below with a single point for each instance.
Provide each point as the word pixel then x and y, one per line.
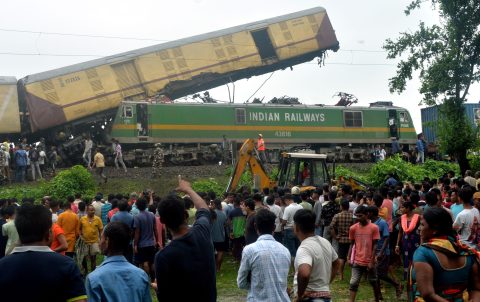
pixel 175 245
pixel 22 161
pixel 26 161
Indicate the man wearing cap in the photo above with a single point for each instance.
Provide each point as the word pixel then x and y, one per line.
pixel 261 149
pixel 296 195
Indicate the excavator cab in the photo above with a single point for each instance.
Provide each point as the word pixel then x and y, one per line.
pixel 303 170
pixel 306 170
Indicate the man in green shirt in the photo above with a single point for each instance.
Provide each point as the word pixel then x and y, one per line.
pixel 237 221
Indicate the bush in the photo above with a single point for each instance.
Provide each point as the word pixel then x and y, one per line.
pixel 406 171
pixel 347 173
pixel 68 182
pixel 205 185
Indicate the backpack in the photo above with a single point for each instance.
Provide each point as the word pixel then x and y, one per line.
pixel 33 155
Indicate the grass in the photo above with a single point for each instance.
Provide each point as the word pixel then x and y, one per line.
pixel 227 290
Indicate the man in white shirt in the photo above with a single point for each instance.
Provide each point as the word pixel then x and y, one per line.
pixel 468 217
pixel 97 205
pixel 469 179
pixel 316 263
pixel 318 198
pixel 383 154
pixel 290 240
pixel 6 165
pixel 87 153
pixel 277 210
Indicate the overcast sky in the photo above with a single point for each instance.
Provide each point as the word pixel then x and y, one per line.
pixel 360 66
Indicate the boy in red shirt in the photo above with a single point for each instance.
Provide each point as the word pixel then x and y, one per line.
pixel 363 236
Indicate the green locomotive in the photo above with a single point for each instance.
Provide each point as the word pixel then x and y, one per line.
pixel 345 133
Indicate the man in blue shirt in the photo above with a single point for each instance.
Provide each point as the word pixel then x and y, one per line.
pixel 382 252
pixel 265 263
pixel 145 238
pixel 116 279
pixel 123 216
pixel 20 164
pixel 420 149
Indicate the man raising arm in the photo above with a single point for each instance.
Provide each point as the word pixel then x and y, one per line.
pixel 189 257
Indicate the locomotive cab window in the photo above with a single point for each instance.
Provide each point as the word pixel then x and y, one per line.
pixel 403 117
pixel 127 111
pixel 240 116
pixel 353 118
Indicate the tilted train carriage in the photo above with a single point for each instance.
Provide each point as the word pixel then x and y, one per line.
pixel 71 99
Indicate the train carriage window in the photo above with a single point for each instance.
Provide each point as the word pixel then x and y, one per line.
pixel 403 117
pixel 353 118
pixel 127 111
pixel 240 116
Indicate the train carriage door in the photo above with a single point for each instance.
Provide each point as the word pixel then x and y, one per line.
pixel 264 45
pixel 128 81
pixel 142 120
pixel 393 123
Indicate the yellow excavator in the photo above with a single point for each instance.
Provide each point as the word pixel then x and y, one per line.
pixel 305 170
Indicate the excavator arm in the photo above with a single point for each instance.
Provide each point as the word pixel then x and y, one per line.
pixel 248 157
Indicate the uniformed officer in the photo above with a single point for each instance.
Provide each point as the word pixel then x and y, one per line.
pixel 157 160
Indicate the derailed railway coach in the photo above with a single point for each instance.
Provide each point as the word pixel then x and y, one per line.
pixel 9 106
pixel 343 133
pixel 62 104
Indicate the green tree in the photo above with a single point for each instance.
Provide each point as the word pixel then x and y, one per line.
pixel 446 57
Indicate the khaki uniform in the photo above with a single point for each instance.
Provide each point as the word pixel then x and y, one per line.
pixel 158 160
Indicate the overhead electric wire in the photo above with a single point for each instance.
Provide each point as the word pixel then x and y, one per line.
pixel 157 40
pixel 260 87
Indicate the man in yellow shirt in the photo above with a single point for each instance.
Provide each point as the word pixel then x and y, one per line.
pixel 99 162
pixel 90 229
